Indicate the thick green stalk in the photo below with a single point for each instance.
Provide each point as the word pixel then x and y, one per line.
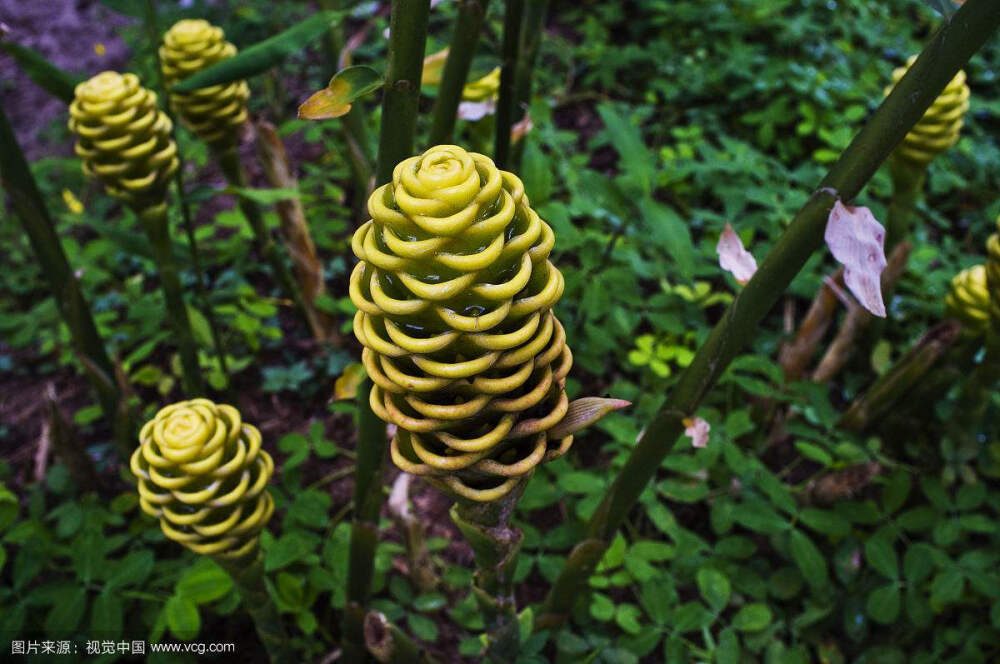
pixel 486 527
pixel 248 576
pixel 907 185
pixel 229 163
pixel 527 53
pixel 947 52
pixel 29 208
pixel 505 105
pixel 407 36
pixel 407 39
pixel 456 68
pixel 368 500
pixel 154 222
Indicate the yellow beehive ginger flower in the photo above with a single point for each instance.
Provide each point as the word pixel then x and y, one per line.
pixel 941 124
pixel 993 277
pixel 203 474
pixel 215 113
pixel 124 139
pixel 455 293
pixel 969 299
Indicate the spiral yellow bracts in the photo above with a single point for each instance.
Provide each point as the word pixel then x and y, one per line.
pixel 124 139
pixel 203 474
pixel 215 113
pixel 940 126
pixel 455 294
pixel 482 89
pixel 969 299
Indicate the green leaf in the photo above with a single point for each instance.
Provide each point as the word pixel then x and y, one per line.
pixel 66 614
pixel 106 616
pixel 627 617
pixel 918 562
pixel 809 560
pixel 601 607
pixel 182 617
pixel 760 517
pixel 880 552
pixel 203 585
pixel 57 82
pixel 728 650
pixel 884 604
pixel 714 588
pixel 346 86
pixel 752 618
pixel 263 196
pixel 897 488
pixel 132 570
pixel 658 597
pixel 947 588
pixel 825 521
pixel 814 452
pixel 262 55
pixel 422 627
pixel 429 602
pixel 670 232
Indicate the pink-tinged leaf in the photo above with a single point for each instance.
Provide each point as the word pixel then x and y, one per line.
pixel 584 412
pixel 476 110
pixel 399 496
pixel 521 128
pixel 733 257
pixel 697 430
pixel 857 240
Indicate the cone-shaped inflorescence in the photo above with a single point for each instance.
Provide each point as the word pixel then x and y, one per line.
pixel 203 474
pixel 940 126
pixel 124 140
pixel 969 299
pixel 455 291
pixel 215 113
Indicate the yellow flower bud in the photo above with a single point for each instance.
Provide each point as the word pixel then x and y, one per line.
pixel 214 113
pixel 941 124
pixel 969 299
pixel 455 292
pixel 124 139
pixel 203 474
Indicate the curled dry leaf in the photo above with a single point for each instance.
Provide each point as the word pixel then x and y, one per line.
pixel 733 257
pixel 521 128
pixel 346 385
pixel 344 88
pixel 857 240
pixel 697 430
pixel 583 412
pixel 433 68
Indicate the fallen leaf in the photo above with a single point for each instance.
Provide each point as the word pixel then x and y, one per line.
pixel 344 88
pixel 476 110
pixel 733 257
pixel 857 240
pixel 697 430
pixel 583 412
pixel 346 385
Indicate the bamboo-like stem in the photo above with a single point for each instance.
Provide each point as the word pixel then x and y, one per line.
pixel 907 185
pixel 947 52
pixel 229 163
pixel 154 222
pixel 508 73
pixel 527 53
pixel 903 377
pixel 248 576
pixel 486 526
pixel 456 68
pixel 407 39
pixel 368 500
pixel 30 210
pixel 413 533
pixel 390 645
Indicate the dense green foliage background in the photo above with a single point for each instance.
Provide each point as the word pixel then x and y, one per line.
pixel 655 123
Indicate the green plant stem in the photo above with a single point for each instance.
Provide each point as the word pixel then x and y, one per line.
pixel 947 52
pixel 229 163
pixel 154 222
pixel 903 377
pixel 368 498
pixel 390 645
pixel 248 576
pixel 456 68
pixel 907 185
pixel 407 39
pixel 486 526
pixel 508 73
pixel 527 53
pixel 29 208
